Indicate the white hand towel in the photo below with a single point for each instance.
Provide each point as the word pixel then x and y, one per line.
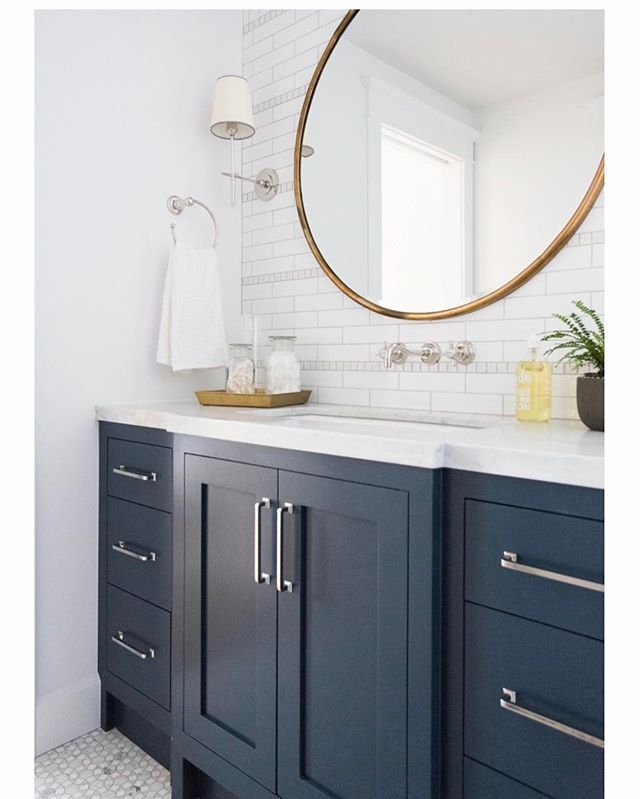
pixel 192 325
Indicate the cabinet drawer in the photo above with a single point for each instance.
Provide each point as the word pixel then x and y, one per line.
pixel 138 644
pixel 564 546
pixel 481 782
pixel 556 674
pixel 140 473
pixel 139 550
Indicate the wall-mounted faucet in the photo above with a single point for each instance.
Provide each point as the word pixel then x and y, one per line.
pixel 462 352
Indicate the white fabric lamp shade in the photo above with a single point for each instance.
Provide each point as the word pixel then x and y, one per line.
pixel 232 113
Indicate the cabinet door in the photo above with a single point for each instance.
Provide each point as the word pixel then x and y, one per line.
pixel 342 640
pixel 230 619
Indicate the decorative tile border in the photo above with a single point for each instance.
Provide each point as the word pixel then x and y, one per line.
pixel 477 367
pixel 258 21
pixel 277 277
pixel 279 99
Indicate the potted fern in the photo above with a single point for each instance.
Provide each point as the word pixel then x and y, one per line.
pixel 582 346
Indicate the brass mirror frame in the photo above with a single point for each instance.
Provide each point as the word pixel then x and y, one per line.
pixel 520 279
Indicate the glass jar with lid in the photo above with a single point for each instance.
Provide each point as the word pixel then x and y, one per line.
pixel 240 378
pixel 282 366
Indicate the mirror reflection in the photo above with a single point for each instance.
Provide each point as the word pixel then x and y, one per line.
pixel 450 148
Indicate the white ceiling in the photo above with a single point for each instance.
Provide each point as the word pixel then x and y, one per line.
pixel 482 57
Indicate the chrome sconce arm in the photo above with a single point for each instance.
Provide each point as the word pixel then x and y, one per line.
pixel 266 182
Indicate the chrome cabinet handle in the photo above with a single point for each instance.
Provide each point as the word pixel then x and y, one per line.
pixel 124 471
pixel 121 547
pixel 509 561
pixel 284 586
pixel 258 575
pixel 118 638
pixel 511 704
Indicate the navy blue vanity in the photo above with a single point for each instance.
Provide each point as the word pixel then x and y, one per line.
pixel 277 623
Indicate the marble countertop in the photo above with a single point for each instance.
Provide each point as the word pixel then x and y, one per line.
pixel 557 451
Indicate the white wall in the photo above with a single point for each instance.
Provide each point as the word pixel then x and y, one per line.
pixel 337 339
pixel 123 101
pixel 556 135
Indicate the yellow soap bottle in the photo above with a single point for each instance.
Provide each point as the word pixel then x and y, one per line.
pixel 533 387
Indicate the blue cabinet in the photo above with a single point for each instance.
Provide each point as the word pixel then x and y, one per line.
pixel 230 619
pixel 342 640
pixel 281 624
pixel 135 585
pixel 306 627
pixel 522 639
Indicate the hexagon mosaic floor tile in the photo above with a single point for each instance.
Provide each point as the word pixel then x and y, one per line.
pixel 100 765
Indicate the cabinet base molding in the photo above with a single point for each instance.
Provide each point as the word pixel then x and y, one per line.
pixel 198 773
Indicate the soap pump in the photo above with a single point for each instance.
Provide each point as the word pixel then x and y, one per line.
pixel 533 385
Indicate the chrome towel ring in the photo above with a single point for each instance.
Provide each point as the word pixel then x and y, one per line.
pixel 176 206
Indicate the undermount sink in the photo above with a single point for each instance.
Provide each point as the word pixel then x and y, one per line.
pixel 341 418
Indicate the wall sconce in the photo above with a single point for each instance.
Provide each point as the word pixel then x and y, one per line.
pixel 232 118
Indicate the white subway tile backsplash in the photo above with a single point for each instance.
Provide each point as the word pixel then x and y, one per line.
pixel 297 31
pixel 343 352
pixel 408 400
pixel 297 319
pixel 274 233
pixel 576 280
pixel 339 340
pixel 257 221
pixel 319 302
pixel 370 335
pixel 272 305
pixel 291 66
pixel 597 257
pixel 431 381
pixel 317 379
pixel 273 26
pixel 432 331
pixel 379 380
pixel 345 316
pixel 343 396
pixel 570 258
pixel 291 288
pixel 319 335
pixel 490 383
pixel 269 265
pixel 532 307
pixel 467 403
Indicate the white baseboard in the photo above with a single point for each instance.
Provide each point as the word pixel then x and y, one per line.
pixel 67 713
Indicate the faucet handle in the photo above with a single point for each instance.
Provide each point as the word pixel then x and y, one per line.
pixel 393 353
pixel 430 352
pixel 462 352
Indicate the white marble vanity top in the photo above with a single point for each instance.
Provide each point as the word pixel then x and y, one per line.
pixel 557 451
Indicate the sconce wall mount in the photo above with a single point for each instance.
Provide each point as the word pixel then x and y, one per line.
pixel 266 183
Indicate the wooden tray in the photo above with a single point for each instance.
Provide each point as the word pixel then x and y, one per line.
pixel 257 400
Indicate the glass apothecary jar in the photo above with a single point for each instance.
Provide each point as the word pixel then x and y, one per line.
pixel 240 378
pixel 282 366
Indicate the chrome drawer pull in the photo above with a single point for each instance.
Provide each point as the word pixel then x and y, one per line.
pixel 122 549
pixel 510 703
pixel 118 638
pixel 123 471
pixel 510 561
pixel 258 575
pixel 284 586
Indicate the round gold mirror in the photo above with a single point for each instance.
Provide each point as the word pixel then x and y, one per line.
pixel 444 157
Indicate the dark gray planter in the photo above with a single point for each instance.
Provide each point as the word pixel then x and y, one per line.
pixel 590 397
